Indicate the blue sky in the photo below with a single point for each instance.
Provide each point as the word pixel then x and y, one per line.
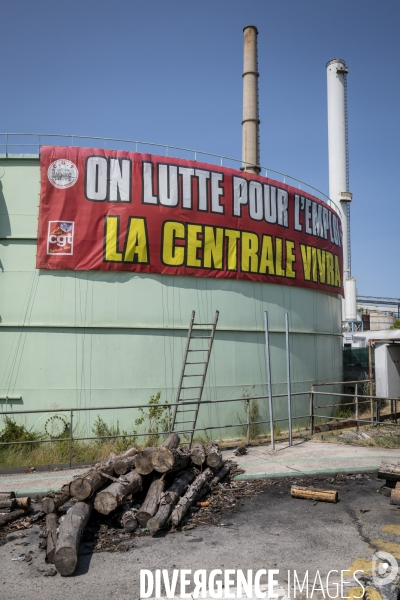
pixel 170 72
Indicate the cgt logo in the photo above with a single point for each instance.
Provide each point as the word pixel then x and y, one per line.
pixel 60 237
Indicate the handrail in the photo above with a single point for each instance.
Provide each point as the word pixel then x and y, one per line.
pixel 167 147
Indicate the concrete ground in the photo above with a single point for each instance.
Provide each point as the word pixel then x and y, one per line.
pixel 267 531
pixel 304 457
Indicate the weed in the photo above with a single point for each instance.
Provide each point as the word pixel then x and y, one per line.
pixel 155 419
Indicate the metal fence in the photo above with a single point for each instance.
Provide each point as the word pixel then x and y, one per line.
pixel 168 407
pixel 313 416
pixel 14 144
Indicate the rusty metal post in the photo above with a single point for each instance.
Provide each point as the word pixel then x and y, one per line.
pixel 371 387
pixel 71 439
pixel 169 419
pixel 312 411
pixel 248 421
pixel 269 378
pixel 356 401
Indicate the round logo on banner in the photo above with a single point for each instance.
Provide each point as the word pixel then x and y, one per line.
pixel 62 173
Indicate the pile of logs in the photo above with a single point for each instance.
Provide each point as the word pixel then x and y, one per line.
pixel 150 488
pixel 12 508
pixel 391 472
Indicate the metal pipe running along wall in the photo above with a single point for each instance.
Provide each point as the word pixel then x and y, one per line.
pixel 250 123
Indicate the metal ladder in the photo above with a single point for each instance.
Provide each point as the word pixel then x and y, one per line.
pixel 180 409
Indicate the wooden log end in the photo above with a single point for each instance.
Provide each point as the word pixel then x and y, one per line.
pixel 153 526
pixel 143 517
pixel 163 459
pixel 65 560
pixel 80 489
pixel 105 503
pixel 48 505
pixel 214 461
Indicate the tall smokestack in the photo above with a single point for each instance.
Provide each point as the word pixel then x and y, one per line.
pixel 338 150
pixel 250 123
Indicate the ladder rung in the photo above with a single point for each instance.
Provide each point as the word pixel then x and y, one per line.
pixel 183 422
pixel 199 350
pixel 190 387
pixel 199 375
pixel 203 362
pixel 186 410
pixel 183 400
pixel 202 324
pixel 201 337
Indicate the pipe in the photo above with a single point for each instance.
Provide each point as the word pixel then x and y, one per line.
pixel 250 123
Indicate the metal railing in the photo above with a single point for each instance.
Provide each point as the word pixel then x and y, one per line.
pixel 168 406
pixel 9 140
pixel 373 419
pixel 373 401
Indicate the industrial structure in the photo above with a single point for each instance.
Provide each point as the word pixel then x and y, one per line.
pixel 76 337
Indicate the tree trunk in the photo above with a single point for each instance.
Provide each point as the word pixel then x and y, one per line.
pixel 7 495
pixel 128 519
pixel 169 500
pixel 170 459
pixel 8 504
pixel 115 494
pixel 124 465
pixel 69 536
pixel 389 471
pixel 219 476
pixel 172 441
pixel 51 528
pixel 298 491
pixel 152 501
pixel 52 503
pixel 83 487
pixel 191 496
pixel 143 462
pixel 214 456
pixel 13 516
pixel 198 454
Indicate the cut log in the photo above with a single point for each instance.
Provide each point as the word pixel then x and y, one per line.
pixel 172 441
pixel 23 502
pixel 198 454
pixel 398 485
pixel 169 499
pixel 170 459
pixel 51 528
pixel 389 471
pixel 214 456
pixel 124 465
pixel 115 494
pixel 84 487
pixel 69 536
pixel 7 495
pixel 298 491
pixel 218 476
pixel 143 462
pixel 128 519
pixel 152 501
pixel 8 504
pixel 191 496
pixel 395 496
pixel 13 516
pixel 52 503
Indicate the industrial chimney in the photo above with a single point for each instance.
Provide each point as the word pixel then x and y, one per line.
pixel 339 174
pixel 338 150
pixel 250 123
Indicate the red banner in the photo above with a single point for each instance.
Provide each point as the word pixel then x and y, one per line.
pixel 125 211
